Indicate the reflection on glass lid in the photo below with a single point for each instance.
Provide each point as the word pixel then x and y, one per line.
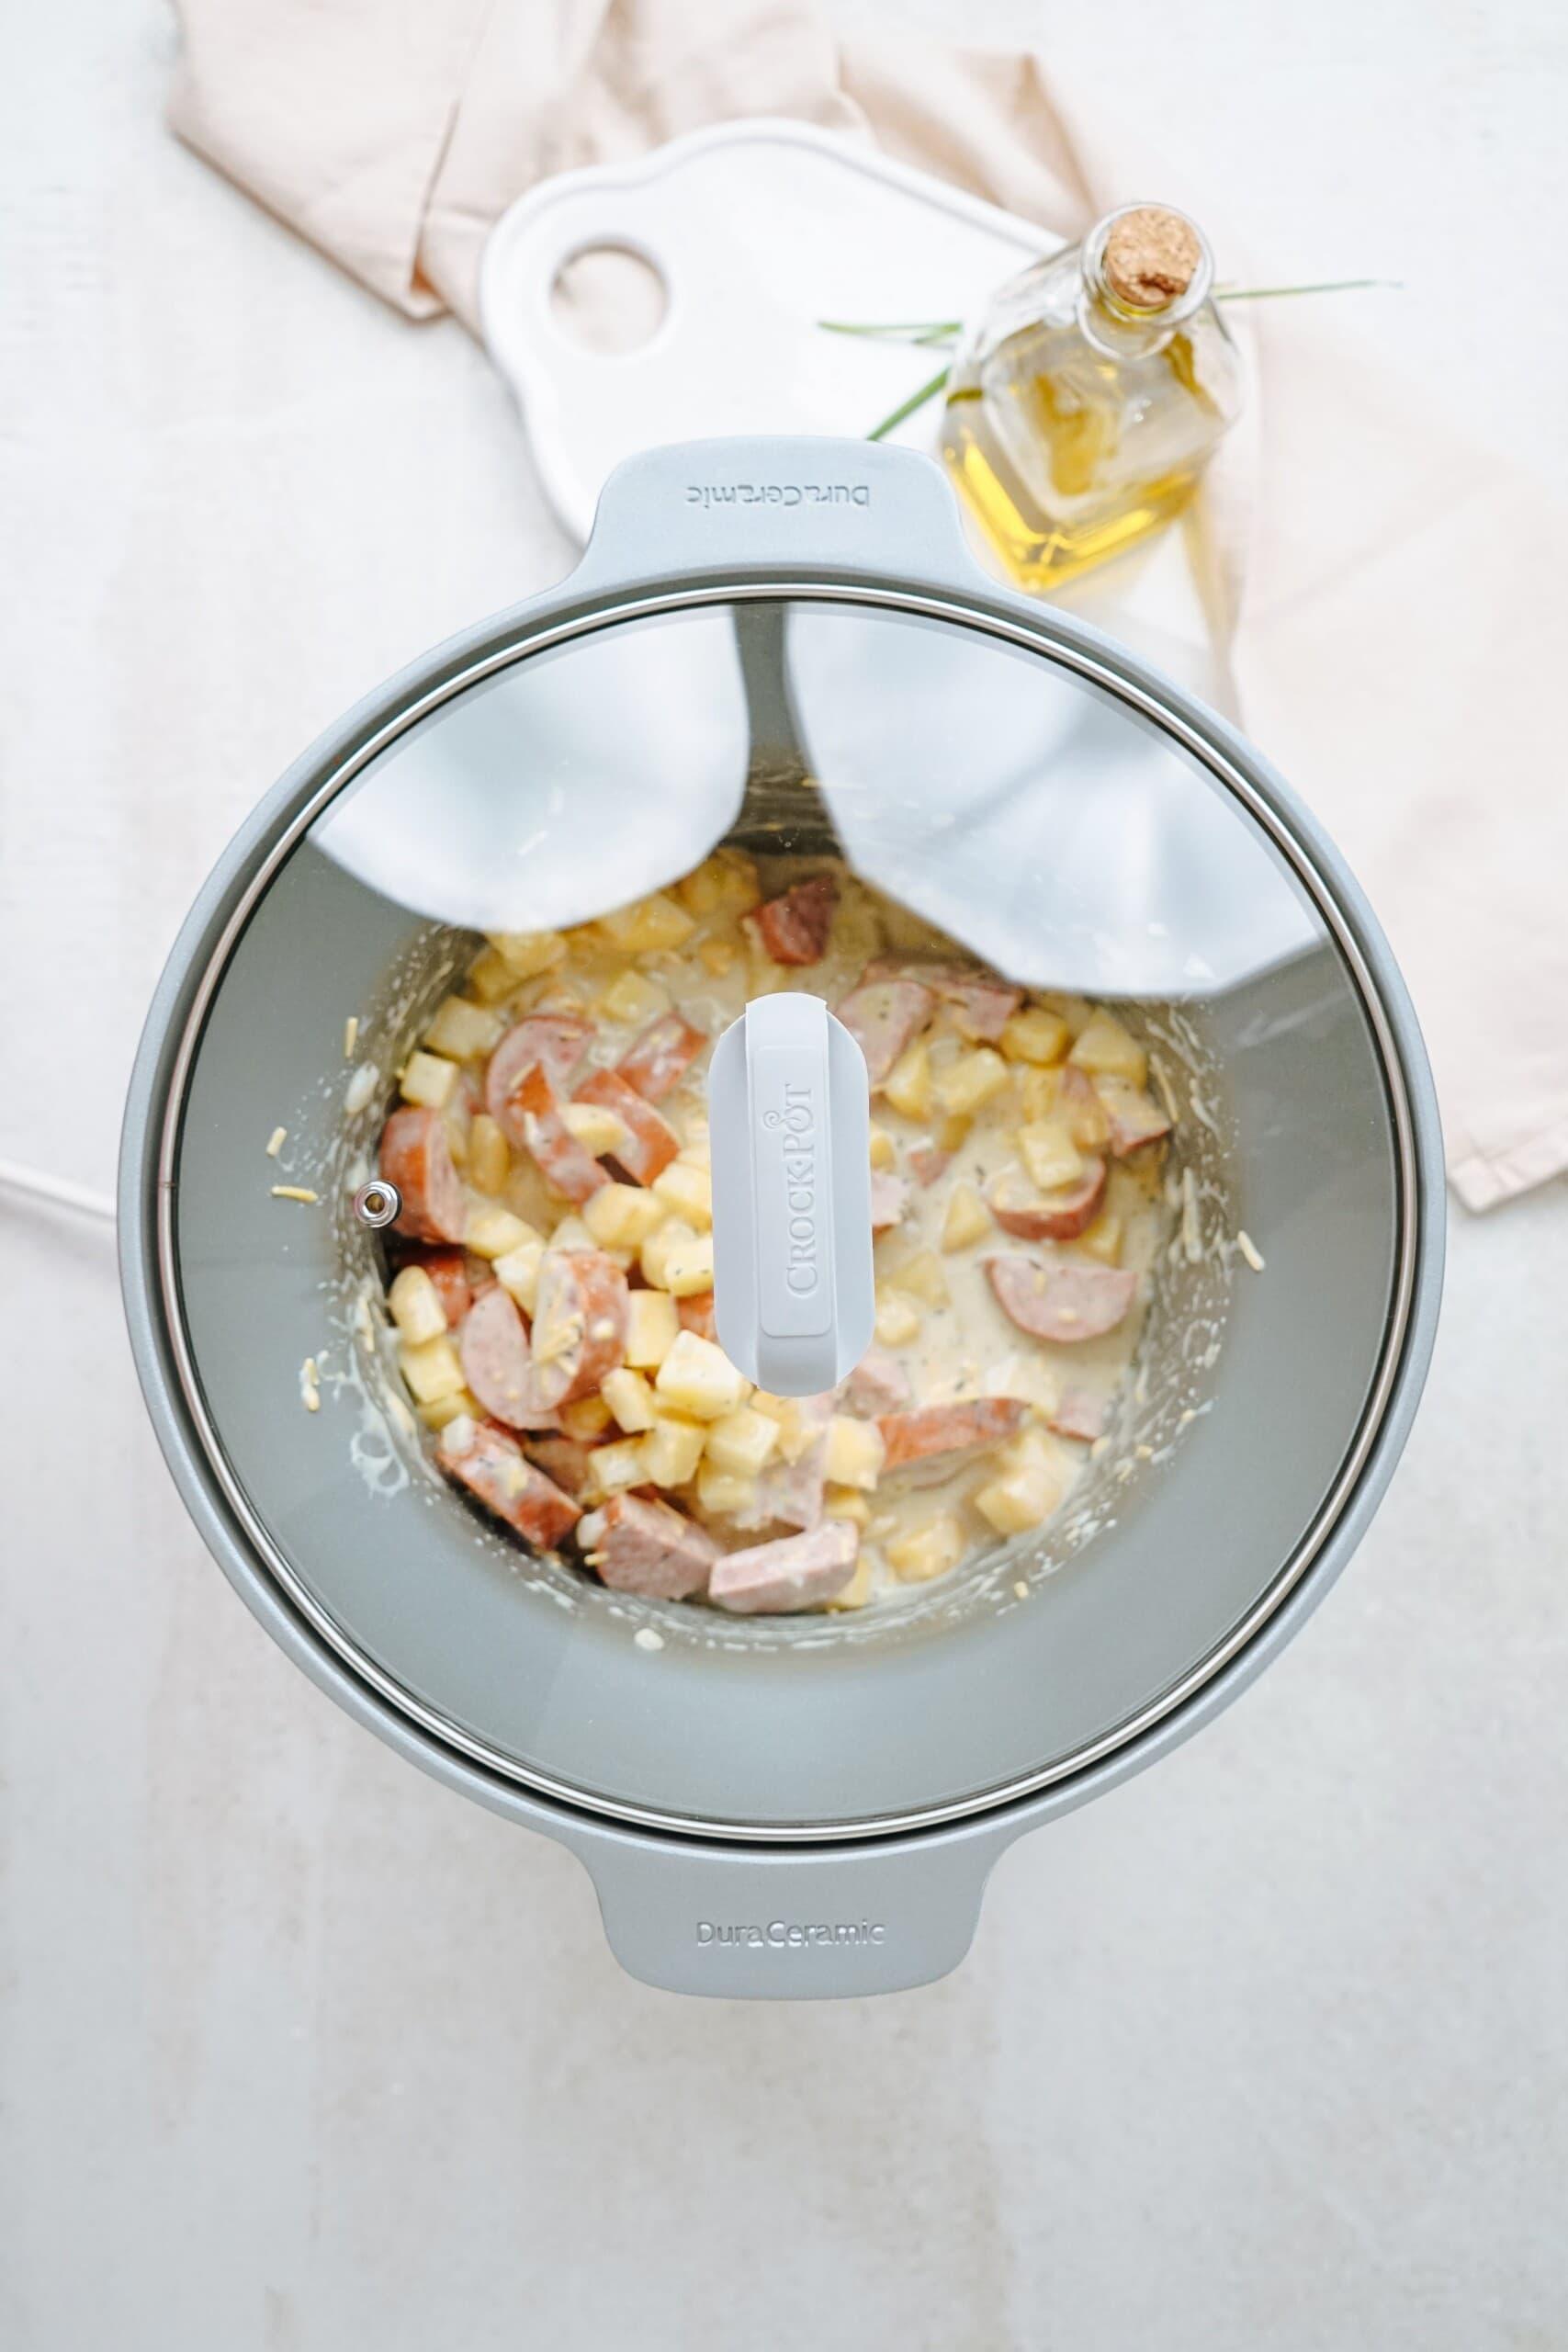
pixel 1059 836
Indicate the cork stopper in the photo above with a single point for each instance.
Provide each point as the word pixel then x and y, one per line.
pixel 1151 257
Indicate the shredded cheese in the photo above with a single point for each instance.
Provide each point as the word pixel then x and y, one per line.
pixel 1248 1250
pixel 276 1142
pixel 295 1193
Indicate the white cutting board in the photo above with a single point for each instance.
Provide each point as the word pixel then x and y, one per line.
pixel 757 230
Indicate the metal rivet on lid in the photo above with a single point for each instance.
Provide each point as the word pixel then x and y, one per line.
pixel 377 1204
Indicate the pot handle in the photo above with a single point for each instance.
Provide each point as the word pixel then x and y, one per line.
pixel 745 1924
pixel 763 502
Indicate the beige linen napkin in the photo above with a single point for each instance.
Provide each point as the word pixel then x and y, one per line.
pixel 1383 593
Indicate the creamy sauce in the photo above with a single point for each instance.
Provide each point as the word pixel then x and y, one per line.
pixel 964 1346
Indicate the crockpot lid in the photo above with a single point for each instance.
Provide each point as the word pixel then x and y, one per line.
pixel 1058 819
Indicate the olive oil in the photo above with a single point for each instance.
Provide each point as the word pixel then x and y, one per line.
pixel 1083 407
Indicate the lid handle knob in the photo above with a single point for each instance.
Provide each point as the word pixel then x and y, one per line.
pixel 789 1115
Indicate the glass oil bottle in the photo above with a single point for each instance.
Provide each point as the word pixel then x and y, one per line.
pixel 1085 403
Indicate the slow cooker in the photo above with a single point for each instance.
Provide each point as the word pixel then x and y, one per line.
pixel 786 644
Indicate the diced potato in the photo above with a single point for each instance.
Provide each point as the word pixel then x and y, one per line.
pixel 883 1151
pixel 612 1468
pixel 922 1277
pixel 1085 1121
pixel 491 977
pixel 908 1085
pixel 672 1451
pixel 490 1155
pixel 845 1503
pixel 1103 1238
pixel 494 1232
pixel 1106 1049
pixel 951 1131
pixel 652 1324
pixel 415 1305
pixel 721 1492
pixel 857 1592
pixel 679 1260
pixel 635 999
pixel 1040 1092
pixel 1075 1010
pixel 463 1030
pixel 621 1216
pixel 725 883
pixel 1050 1154
pixel 427 1080
pixel 697 1377
pixel 1034 1036
pixel 972 1080
pixel 457 1118
pixel 718 955
pixel 431 1369
pixel 597 1128
pixel 743 1441
pixel 529 953
pixel 570 1233
pixel 442 1409
pixel 898 1320
pixel 1032 1478
pixel 967 1218
pixel 654 921
pixel 855 1452
pixel 929 1550
pixel 517 1271
pixel 796 1431
pixel 630 1399
pixel 686 1189
pixel 589 1417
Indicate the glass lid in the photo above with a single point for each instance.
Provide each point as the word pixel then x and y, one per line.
pixel 1135 1184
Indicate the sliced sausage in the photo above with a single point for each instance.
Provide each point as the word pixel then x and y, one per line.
pixel 794 928
pixel 1135 1117
pixel 795 1572
pixel 884 1016
pixel 497 1365
pixel 1058 1216
pixel 651 1142
pixel 962 1427
pixel 889 1199
pixel 659 1059
pixel 929 1162
pixel 579 1324
pixel 567 1460
pixel 877 1384
pixel 643 1546
pixel 1065 1302
pixel 981 1003
pixel 1079 1413
pixel 696 1314
pixel 556 1041
pixel 416 1157
pixel 534 1120
pixel 448 1270
pixel 496 1471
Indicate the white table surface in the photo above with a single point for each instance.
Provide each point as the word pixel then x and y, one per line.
pixel 299 2052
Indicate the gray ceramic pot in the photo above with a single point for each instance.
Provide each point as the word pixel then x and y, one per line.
pixel 808 1806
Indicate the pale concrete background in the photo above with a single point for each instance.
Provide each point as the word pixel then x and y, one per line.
pixel 300 2053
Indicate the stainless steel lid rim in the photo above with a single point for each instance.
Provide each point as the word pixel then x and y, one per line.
pixel 217 921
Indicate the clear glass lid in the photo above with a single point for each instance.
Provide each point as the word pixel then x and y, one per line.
pixel 1137 1182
